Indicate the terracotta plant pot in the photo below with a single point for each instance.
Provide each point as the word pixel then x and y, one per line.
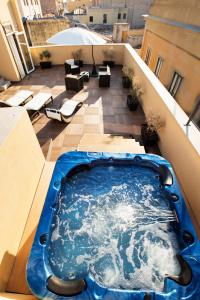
pixel 149 137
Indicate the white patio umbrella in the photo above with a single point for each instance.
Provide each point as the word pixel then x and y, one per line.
pixel 78 36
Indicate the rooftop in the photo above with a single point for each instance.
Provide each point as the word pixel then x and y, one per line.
pixel 28 172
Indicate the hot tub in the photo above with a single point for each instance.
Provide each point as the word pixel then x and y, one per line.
pixel 114 226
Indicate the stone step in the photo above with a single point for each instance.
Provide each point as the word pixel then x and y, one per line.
pixel 109 143
pixel 4 84
pixel 112 148
pixel 100 137
pixel 91 139
pixel 2 80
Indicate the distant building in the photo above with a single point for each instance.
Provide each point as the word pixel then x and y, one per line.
pixel 171 47
pixel 106 16
pixel 30 9
pixel 54 7
pixel 135 9
pixel 76 4
pixel 120 32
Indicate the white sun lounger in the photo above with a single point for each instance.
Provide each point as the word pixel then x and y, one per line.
pixel 20 98
pixel 38 101
pixel 65 112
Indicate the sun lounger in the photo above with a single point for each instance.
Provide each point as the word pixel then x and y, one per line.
pixel 20 98
pixel 39 101
pixel 65 112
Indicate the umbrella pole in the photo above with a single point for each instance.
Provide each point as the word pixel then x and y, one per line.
pixel 94 70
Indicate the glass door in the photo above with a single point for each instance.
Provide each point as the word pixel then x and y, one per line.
pixel 25 52
pixel 16 55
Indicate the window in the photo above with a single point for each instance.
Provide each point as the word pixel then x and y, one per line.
pixel 195 115
pixel 119 16
pixel 124 16
pixel 104 18
pixel 148 56
pixel 158 66
pixel 91 19
pixel 175 84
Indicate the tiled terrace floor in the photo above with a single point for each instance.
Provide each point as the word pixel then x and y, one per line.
pixel 104 110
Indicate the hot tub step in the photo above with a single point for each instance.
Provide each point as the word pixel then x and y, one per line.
pixel 99 138
pixel 112 148
pixel 109 143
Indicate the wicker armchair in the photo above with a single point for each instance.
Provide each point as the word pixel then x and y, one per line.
pixel 104 76
pixel 71 68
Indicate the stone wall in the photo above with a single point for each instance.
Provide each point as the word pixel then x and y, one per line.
pixel 39 31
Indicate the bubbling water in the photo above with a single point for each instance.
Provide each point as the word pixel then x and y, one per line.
pixel 114 223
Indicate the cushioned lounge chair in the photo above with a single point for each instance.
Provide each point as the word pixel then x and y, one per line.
pixel 20 98
pixel 34 105
pixel 39 101
pixel 66 112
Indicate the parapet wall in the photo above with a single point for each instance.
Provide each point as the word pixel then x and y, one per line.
pixel 179 144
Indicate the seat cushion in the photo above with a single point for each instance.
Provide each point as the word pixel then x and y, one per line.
pixel 70 61
pixel 38 101
pixel 19 98
pixel 69 107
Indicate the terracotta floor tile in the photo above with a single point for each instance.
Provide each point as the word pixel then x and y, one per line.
pixel 77 119
pixel 92 110
pixel 91 119
pixel 74 129
pixel 71 140
pixel 88 128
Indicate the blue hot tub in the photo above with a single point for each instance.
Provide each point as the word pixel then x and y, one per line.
pixel 114 226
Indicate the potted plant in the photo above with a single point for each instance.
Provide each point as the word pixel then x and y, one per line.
pixel 126 77
pixel 135 94
pixel 45 62
pixel 108 58
pixel 149 130
pixel 77 57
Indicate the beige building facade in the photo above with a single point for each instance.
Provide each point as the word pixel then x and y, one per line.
pixel 103 15
pixel 15 58
pixel 109 16
pixel 171 48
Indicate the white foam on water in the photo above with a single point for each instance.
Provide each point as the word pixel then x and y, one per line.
pixel 119 233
